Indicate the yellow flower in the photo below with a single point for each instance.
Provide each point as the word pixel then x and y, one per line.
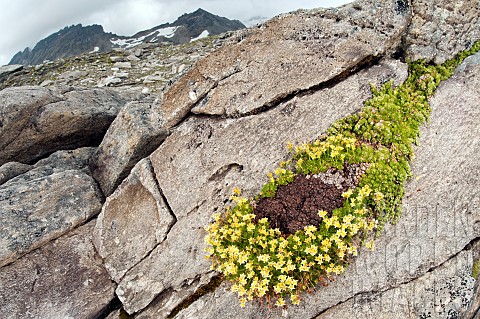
pixel 290 266
pixel 328 222
pixel 370 245
pixel 304 266
pixel 290 281
pixel 347 194
pixel 279 264
pixel 242 280
pixel 263 221
pixel 265 272
pixel 364 191
pixel 243 301
pixel 279 287
pixel 341 233
pixel 237 191
pixel 348 218
pixel 322 213
pixel 312 250
pixel 280 302
pixel 378 196
pixel 295 300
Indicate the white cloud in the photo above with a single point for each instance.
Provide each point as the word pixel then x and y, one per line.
pixel 25 22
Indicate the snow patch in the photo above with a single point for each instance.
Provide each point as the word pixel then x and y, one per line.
pixel 95 49
pixel 133 42
pixel 202 35
pixel 166 32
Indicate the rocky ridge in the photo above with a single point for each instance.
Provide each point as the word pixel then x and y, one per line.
pixel 167 161
pixel 148 67
pixel 77 39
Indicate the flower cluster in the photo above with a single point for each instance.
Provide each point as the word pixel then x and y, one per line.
pixel 263 263
pixel 260 262
pixel 318 156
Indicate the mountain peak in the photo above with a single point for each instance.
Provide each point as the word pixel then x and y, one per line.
pixel 200 11
pixel 77 39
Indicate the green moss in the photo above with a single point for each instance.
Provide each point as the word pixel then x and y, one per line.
pixel 476 269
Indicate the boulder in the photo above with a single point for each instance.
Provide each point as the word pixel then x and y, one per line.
pixel 290 54
pixel 38 121
pixel 63 279
pixel 200 163
pixel 441 218
pixel 17 107
pixel 37 211
pixel 58 162
pixel 138 130
pixel 11 169
pixel 441 29
pixel 444 292
pixel 133 221
pixel 6 70
pixel 294 53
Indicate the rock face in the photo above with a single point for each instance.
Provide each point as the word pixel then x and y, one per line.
pixel 167 162
pixel 38 207
pixel 442 293
pixel 284 53
pixel 63 279
pixel 137 131
pixel 6 70
pixel 441 29
pixel 440 221
pixel 133 221
pixel 206 158
pixel 50 120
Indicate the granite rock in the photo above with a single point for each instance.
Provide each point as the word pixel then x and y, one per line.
pixel 63 279
pixel 133 221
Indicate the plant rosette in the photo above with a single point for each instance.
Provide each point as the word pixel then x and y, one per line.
pixel 261 262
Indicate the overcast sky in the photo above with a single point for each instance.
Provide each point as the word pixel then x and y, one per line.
pixel 25 22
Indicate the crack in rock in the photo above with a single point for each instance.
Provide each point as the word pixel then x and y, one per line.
pixel 400 284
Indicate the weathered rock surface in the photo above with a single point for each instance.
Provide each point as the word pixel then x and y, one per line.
pixel 441 217
pixel 6 70
pixel 63 279
pixel 469 62
pixel 58 162
pixel 288 55
pixel 37 211
pixel 136 132
pixel 441 29
pixel 200 163
pixel 445 292
pixel 133 221
pixel 225 124
pixel 11 169
pixel 37 121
